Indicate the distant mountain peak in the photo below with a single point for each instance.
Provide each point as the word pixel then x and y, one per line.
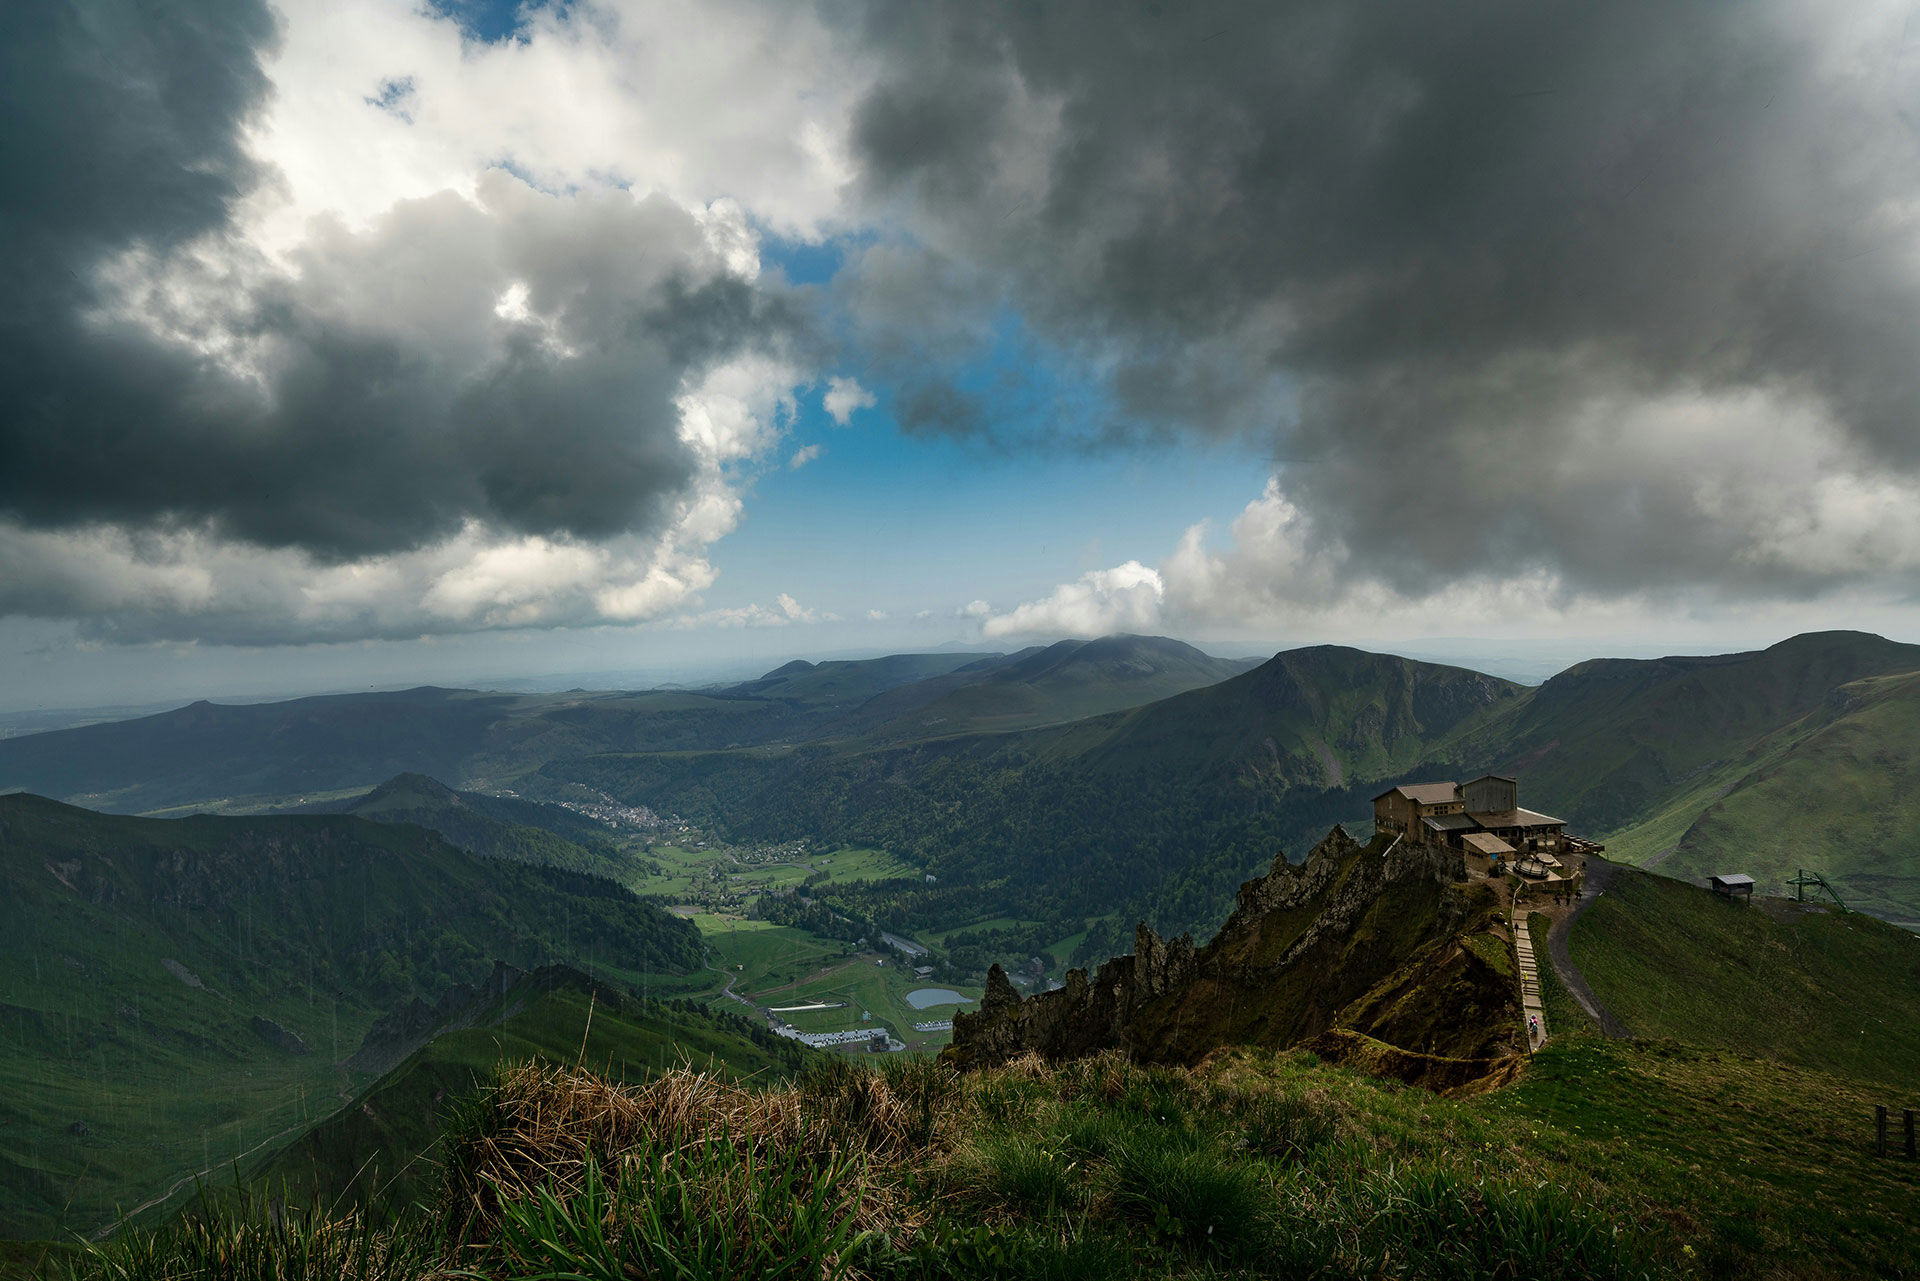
pixel 1129 642
pixel 410 785
pixel 1835 640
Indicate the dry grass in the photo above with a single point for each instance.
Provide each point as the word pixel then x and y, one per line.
pixel 555 1132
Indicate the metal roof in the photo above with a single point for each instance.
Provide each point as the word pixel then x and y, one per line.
pixel 1734 878
pixel 1425 793
pixel 1517 818
pixel 1448 822
pixel 1486 843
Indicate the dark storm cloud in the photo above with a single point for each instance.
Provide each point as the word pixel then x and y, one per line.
pixel 1424 245
pixel 375 401
pixel 120 126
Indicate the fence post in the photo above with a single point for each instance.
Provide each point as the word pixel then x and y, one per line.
pixel 1879 1129
pixel 1908 1114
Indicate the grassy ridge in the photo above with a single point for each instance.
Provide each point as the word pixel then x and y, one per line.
pixel 1814 988
pixel 177 993
pixel 276 753
pixel 381 1149
pixel 1066 681
pixel 469 821
pixel 1564 1015
pixel 1842 797
pixel 1610 742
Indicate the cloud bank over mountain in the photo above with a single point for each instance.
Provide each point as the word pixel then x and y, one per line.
pixel 337 322
pixel 1626 298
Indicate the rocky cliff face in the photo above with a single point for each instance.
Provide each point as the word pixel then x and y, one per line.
pixel 1361 948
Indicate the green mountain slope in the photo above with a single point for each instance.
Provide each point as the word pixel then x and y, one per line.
pixel 1774 759
pixel 469 820
pixel 1837 791
pixel 1607 743
pixel 216 756
pixel 1315 717
pixel 211 752
pixel 175 993
pixel 851 682
pixel 382 1146
pixel 1799 985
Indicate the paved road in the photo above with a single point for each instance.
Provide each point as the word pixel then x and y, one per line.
pixel 728 991
pixel 1599 875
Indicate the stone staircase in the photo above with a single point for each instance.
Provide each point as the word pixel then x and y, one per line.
pixel 1534 1016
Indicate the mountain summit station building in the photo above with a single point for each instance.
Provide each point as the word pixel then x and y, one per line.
pixel 1482 817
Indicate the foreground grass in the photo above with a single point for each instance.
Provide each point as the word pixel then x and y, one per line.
pixel 1762 1169
pixel 1609 1160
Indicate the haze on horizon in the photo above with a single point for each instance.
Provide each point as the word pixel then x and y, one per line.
pixel 382 342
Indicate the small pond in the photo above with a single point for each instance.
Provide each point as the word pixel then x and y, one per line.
pixel 921 998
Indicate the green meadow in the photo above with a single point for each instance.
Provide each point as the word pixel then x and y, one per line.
pixel 1817 988
pixel 741 870
pixel 781 966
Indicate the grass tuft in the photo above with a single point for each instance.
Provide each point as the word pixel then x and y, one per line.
pixel 1254 1164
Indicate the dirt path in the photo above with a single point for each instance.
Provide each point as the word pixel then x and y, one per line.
pixel 1598 876
pixel 202 1176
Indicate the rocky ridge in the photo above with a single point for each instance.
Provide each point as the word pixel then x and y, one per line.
pixel 1384 954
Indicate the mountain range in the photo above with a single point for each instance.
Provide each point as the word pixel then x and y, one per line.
pixel 1127 771
pixel 298 994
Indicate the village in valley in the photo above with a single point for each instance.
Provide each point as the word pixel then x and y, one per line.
pixel 883 991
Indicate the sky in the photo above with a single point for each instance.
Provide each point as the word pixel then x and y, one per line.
pixel 373 342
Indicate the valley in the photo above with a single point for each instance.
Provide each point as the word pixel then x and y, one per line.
pixel 796 871
pixel 175 993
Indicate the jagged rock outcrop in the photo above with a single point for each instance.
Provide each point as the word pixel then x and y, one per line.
pixel 1375 941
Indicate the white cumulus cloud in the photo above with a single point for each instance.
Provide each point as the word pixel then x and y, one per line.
pixel 1126 598
pixel 844 396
